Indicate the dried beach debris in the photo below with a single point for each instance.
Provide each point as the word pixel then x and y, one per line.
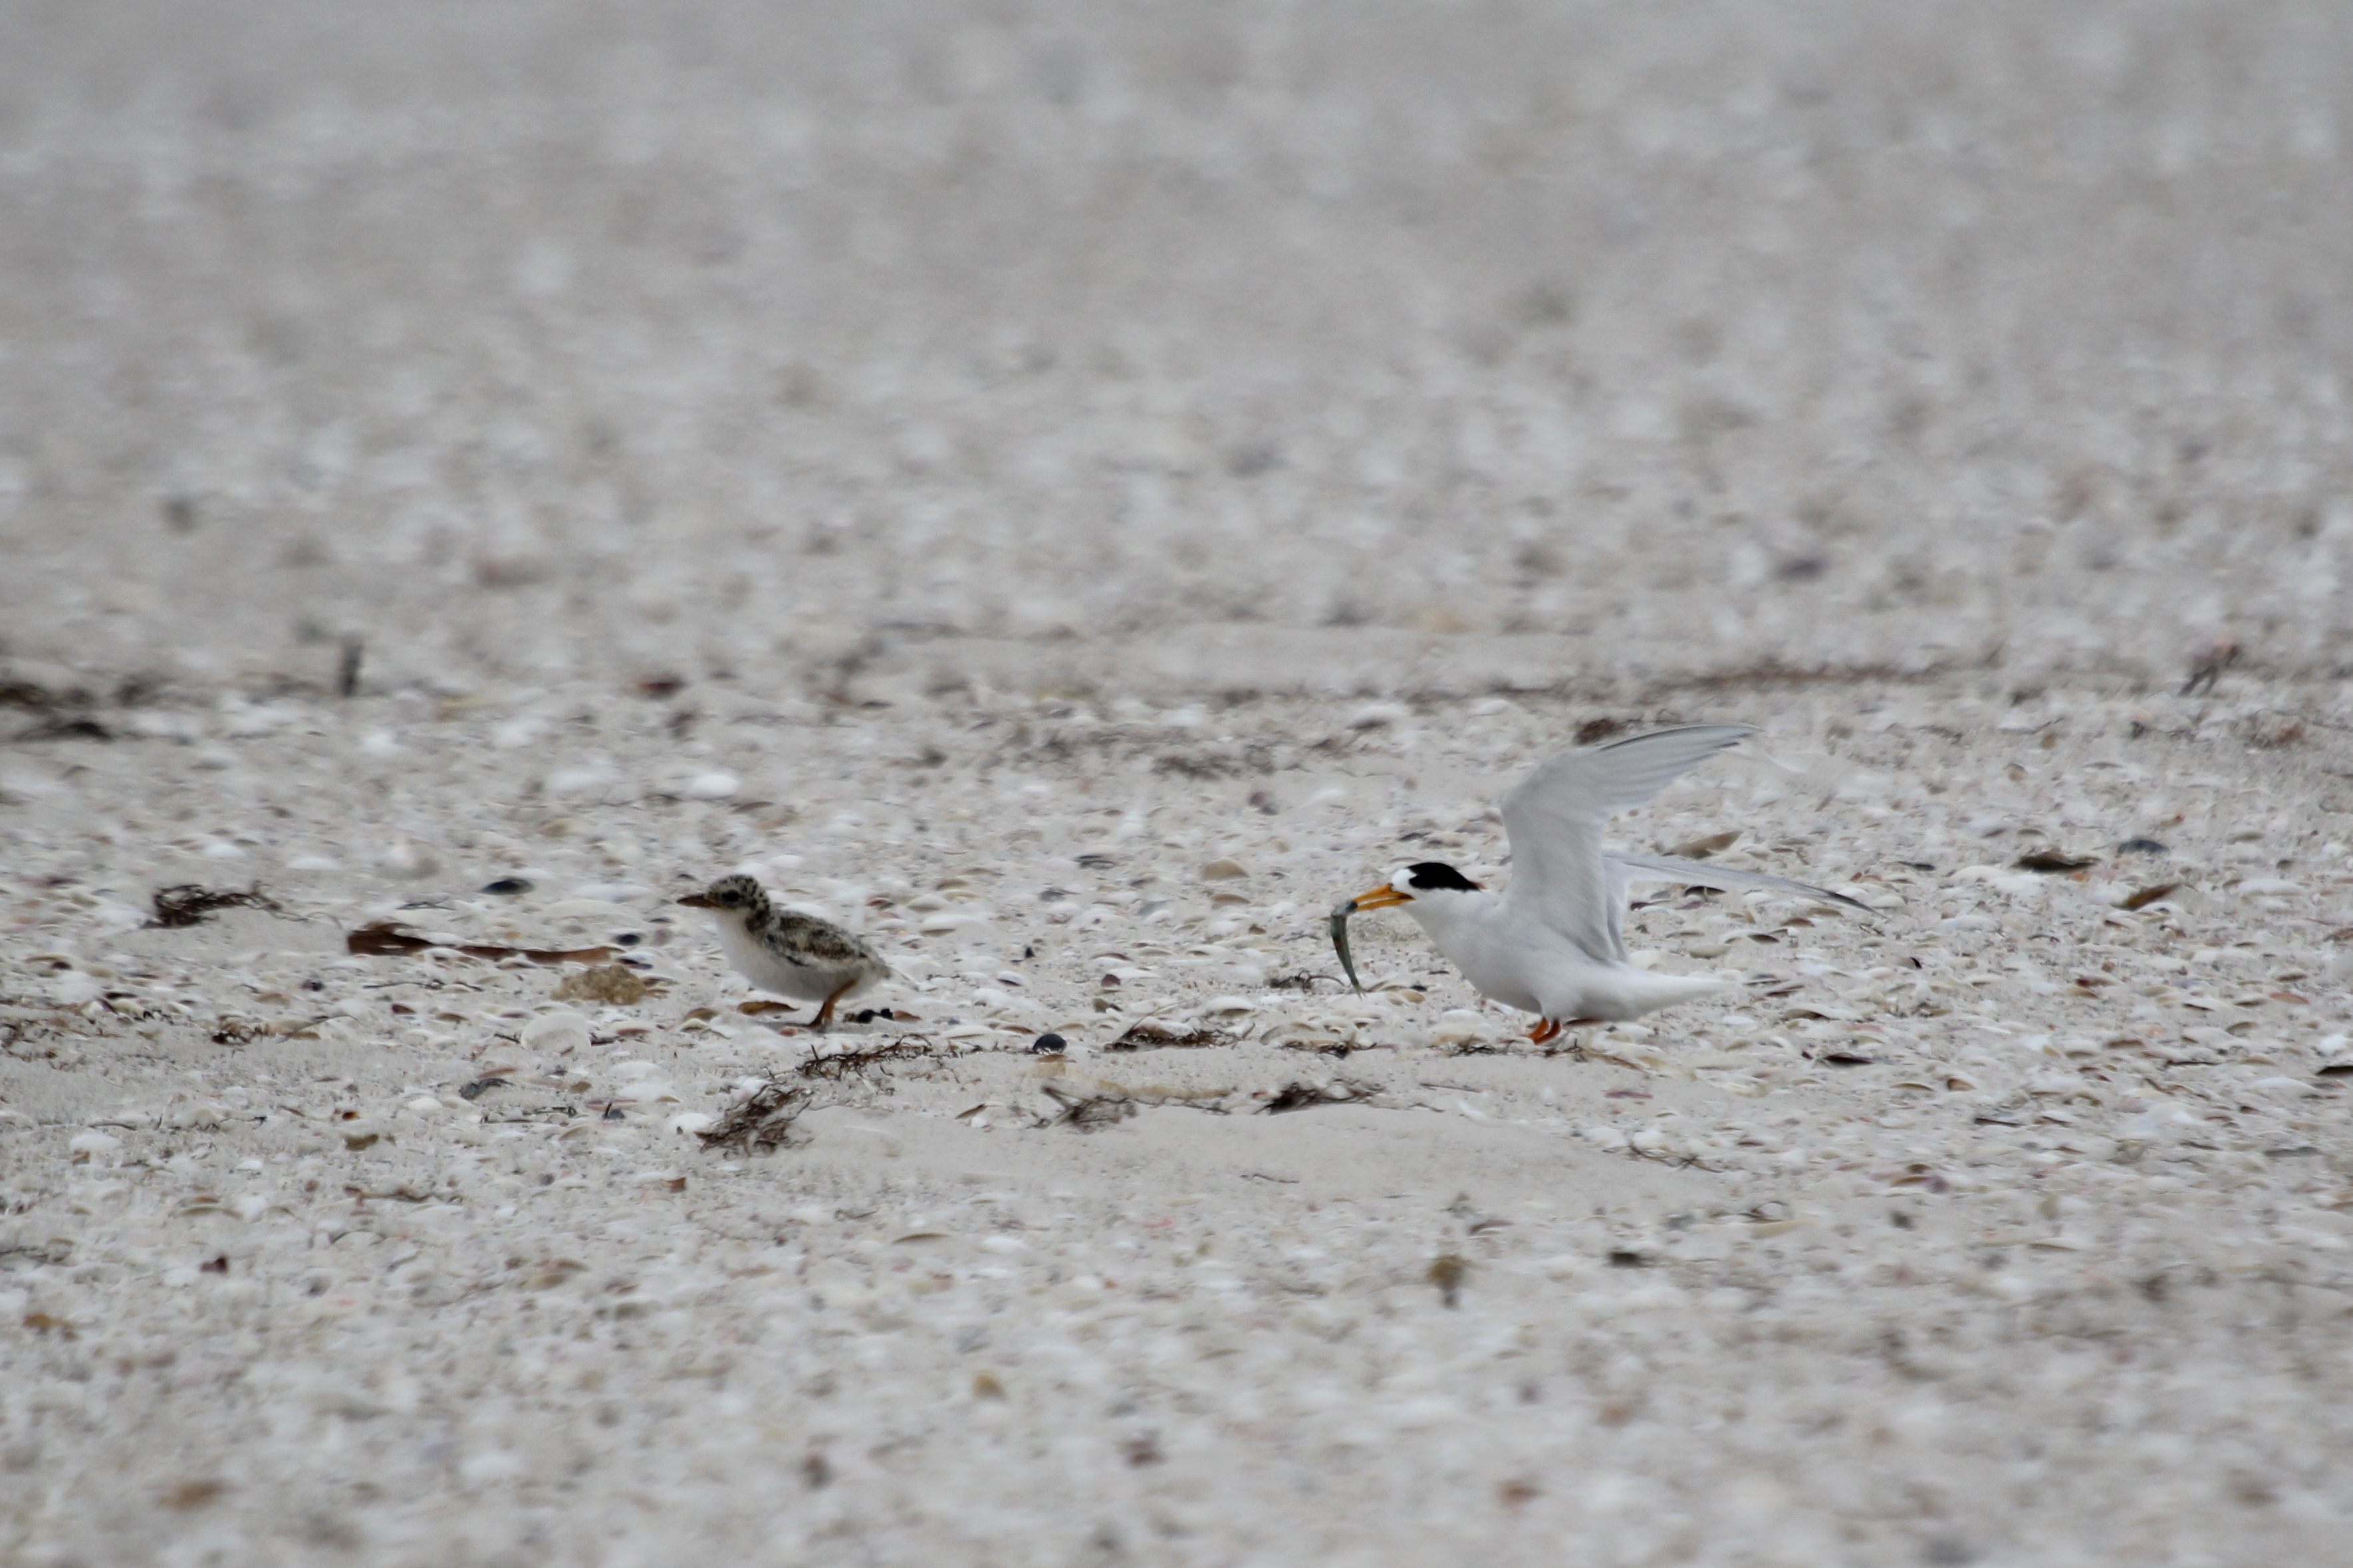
pixel 2052 861
pixel 1597 730
pixel 658 686
pixel 1446 1271
pixel 1482 1047
pixel 1298 1096
pixel 64 699
pixel 43 688
pixel 188 904
pixel 2271 731
pixel 1087 1111
pixel 65 727
pixel 616 984
pixel 188 1495
pixel 1701 849
pixel 1151 1037
pixel 1306 1037
pixel 837 1066
pixel 2147 896
pixel 388 939
pixel 231 1030
pixel 761 1123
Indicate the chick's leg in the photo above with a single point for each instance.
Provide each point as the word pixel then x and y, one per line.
pixel 824 1018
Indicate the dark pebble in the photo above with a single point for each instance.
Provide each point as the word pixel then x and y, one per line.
pixel 2141 846
pixel 1048 1044
pixel 507 886
pixel 613 1113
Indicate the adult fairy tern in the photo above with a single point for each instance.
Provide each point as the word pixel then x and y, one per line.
pixel 1551 943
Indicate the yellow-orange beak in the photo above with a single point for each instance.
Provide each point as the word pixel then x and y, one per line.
pixel 1380 897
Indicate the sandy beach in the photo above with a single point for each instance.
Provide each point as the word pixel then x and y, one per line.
pixel 1071 493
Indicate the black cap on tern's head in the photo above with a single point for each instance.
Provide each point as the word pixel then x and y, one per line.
pixel 1433 877
pixel 1419 880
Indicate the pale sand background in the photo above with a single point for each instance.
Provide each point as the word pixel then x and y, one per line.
pixel 902 451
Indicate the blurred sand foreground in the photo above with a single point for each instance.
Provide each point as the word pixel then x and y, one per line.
pixel 1074 490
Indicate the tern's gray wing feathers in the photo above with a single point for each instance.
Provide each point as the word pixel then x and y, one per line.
pixel 1627 867
pixel 1554 817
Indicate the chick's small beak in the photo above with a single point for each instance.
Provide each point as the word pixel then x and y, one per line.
pixel 698 901
pixel 1380 897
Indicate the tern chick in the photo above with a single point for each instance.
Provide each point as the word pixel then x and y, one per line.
pixel 791 954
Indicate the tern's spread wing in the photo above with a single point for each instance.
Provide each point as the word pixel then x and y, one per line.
pixel 1631 867
pixel 1554 817
pixel 1626 869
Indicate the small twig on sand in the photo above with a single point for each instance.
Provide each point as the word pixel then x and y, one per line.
pixel 761 1123
pixel 189 904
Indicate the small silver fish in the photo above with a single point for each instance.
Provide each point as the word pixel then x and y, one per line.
pixel 1340 942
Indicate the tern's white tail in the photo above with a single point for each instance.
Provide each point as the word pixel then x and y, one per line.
pixel 1622 994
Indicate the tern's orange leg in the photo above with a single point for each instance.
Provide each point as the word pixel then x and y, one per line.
pixel 1544 1030
pixel 825 1014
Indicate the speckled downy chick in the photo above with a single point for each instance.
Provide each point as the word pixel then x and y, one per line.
pixel 791 954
